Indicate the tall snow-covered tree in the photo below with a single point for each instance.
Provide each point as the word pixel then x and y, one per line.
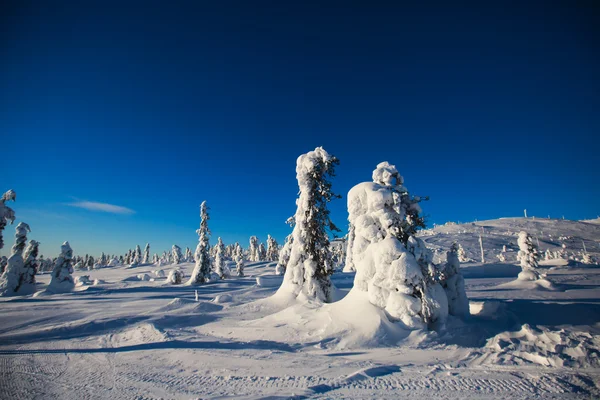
pixel 3 263
pixel 310 264
pixel 177 255
pixel 202 255
pixel 155 259
pixel 272 249
pixel 13 281
pixel 529 257
pixel 62 278
pixel 262 252
pixel 146 258
pixel 7 214
pixel 32 264
pixel 253 252
pixel 220 266
pixel 239 259
pixel 188 255
pixel 284 256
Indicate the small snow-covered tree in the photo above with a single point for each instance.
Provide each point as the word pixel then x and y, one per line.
pixel 7 214
pixel 239 259
pixel 529 257
pixel 14 279
pixel 220 267
pixel 188 255
pixel 272 249
pixel 462 254
pixel 202 269
pixel 62 278
pixel 146 258
pixel 454 284
pixel 177 255
pixel 310 265
pixel 284 256
pixel 175 277
pixel 155 259
pixel 262 253
pixel 253 252
pixel 31 264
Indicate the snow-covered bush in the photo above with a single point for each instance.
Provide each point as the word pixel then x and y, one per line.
pixel 392 266
pixel 62 278
pixel 143 277
pixel 284 256
pixel 17 279
pixel 239 260
pixel 253 253
pixel 177 254
pixel 310 264
pixel 159 273
pixel 454 284
pixel 462 255
pixel 272 249
pixel 221 267
pixel 529 257
pixel 7 214
pixel 175 276
pixel 202 269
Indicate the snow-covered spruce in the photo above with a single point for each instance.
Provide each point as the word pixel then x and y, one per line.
pixel 188 257
pixel 7 214
pixel 393 266
pixel 529 257
pixel 310 265
pixel 262 253
pixel 272 249
pixel 3 263
pixel 253 253
pixel 349 262
pixel 454 284
pixel 177 254
pixel 175 276
pixel 203 268
pixel 146 258
pixel 284 256
pixel 14 279
pixel 30 257
pixel 62 278
pixel 239 260
pixel 221 267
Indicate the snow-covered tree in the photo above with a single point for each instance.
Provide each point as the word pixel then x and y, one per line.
pixel 7 214
pixel 175 277
pixel 272 249
pixel 394 267
pixel 547 255
pixel 3 263
pixel 253 253
pixel 103 260
pixel 177 255
pixel 462 254
pixel 202 269
pixel 62 278
pixel 15 277
pixel 349 263
pixel 310 265
pixel 221 267
pixel 189 257
pixel 30 257
pixel 587 259
pixel 454 284
pixel 155 259
pixel 239 259
pixel 262 253
pixel 146 258
pixel 284 256
pixel 529 257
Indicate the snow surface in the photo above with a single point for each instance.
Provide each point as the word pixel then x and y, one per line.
pixel 126 338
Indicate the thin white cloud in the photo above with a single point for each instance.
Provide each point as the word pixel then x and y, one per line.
pixel 102 207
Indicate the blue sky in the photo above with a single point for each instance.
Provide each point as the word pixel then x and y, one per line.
pixel 486 109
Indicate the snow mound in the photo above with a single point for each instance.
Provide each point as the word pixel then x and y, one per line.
pixel 519 284
pixel 207 307
pixel 143 277
pixel 545 347
pixel 138 334
pixel 269 281
pixel 175 304
pixel 82 280
pixel 487 309
pixel 223 298
pixel 159 273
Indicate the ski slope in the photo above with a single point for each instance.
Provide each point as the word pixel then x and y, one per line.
pixel 122 338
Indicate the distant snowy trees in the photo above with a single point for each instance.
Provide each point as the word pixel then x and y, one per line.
pixel 176 254
pixel 203 268
pixel 239 260
pixel 253 252
pixel 62 278
pixel 146 258
pixel 7 214
pixel 392 265
pixel 272 249
pixel 310 265
pixel 529 258
pixel 221 267
pixel 17 279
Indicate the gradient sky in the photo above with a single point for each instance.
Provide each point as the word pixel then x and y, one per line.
pixel 156 106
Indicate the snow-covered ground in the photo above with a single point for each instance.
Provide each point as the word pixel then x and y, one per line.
pixel 122 336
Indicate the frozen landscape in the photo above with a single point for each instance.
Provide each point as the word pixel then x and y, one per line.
pixel 241 328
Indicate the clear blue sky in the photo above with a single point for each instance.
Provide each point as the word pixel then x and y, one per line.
pixel 156 106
